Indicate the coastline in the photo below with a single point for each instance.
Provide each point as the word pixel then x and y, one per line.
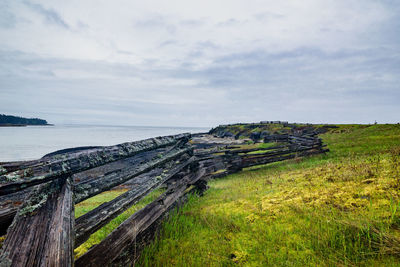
pixel 24 125
pixel 30 143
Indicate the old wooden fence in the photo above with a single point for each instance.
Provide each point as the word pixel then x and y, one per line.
pixel 37 197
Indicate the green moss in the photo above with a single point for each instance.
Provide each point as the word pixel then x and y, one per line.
pixel 2 238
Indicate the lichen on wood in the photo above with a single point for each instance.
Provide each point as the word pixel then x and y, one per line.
pixel 93 187
pixel 42 233
pixel 2 170
pixel 79 161
pixel 95 219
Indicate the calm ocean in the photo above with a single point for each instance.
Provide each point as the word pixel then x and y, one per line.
pixel 33 142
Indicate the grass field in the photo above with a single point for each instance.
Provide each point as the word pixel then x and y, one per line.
pixel 338 209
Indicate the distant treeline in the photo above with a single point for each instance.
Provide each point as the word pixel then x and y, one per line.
pixel 14 120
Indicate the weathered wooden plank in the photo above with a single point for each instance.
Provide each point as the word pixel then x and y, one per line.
pixel 236 162
pixel 93 187
pixel 42 232
pixel 6 167
pixel 67 164
pixel 278 152
pixel 131 253
pixel 7 215
pixel 303 140
pixel 90 222
pixel 248 162
pixel 101 171
pixel 235 151
pixel 125 234
pixel 227 156
pixel 9 205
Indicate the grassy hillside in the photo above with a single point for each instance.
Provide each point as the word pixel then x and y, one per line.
pixel 338 209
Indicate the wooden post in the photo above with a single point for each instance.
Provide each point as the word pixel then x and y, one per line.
pixel 42 233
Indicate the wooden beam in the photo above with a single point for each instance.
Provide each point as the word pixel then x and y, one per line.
pixel 124 235
pixel 279 152
pixel 67 164
pixel 6 167
pixel 248 162
pixel 9 205
pixel 42 233
pixel 93 187
pixel 92 221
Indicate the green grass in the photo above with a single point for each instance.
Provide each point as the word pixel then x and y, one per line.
pixel 337 209
pixel 91 203
pixel 267 145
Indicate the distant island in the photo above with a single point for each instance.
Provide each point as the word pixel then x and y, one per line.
pixel 9 120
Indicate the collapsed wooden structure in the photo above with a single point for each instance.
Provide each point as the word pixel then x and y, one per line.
pixel 37 198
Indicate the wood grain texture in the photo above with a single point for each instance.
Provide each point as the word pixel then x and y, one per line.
pixel 92 221
pixel 9 205
pixel 42 233
pixel 67 164
pixel 123 236
pixel 93 187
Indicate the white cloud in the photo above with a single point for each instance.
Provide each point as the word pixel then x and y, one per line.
pixel 229 60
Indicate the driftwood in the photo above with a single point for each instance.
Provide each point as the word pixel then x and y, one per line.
pixel 279 152
pixel 249 162
pixel 207 152
pixel 101 171
pixel 304 140
pixel 236 151
pixel 80 161
pixel 90 222
pixel 88 189
pixel 42 233
pixel 9 205
pixel 6 167
pixel 125 234
pixel 132 252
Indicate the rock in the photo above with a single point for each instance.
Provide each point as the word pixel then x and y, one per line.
pixel 228 134
pixel 276 138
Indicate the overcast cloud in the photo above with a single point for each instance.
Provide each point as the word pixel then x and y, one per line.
pixel 200 63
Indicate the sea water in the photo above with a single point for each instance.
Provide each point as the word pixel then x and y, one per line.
pixel 33 142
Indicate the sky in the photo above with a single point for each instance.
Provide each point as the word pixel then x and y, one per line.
pixel 200 63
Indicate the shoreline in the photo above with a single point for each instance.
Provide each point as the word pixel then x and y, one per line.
pixel 24 125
